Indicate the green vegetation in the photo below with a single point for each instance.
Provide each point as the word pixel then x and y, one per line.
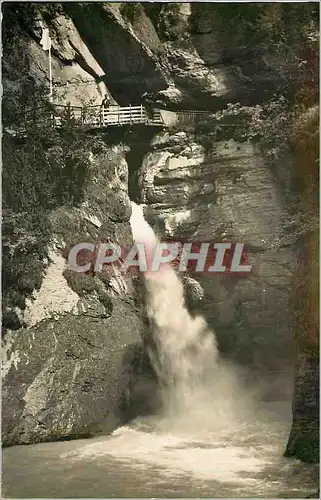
pixel 131 10
pixel 43 168
pixel 26 15
pixel 266 124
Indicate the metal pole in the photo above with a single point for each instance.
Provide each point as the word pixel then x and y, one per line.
pixel 50 77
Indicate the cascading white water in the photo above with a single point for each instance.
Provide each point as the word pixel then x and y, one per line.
pixel 198 450
pixel 209 436
pixel 187 362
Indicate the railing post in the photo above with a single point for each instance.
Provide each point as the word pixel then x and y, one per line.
pixel 130 114
pixel 141 113
pixel 119 115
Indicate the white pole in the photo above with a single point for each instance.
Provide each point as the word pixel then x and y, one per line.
pixel 50 76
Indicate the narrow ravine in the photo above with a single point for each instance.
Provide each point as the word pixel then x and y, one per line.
pixel 212 438
pixel 160 123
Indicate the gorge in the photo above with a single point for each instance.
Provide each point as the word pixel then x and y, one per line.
pixel 185 379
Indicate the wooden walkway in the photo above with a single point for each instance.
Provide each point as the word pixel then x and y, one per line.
pixel 100 117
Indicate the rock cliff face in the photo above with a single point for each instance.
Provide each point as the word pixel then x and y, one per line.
pixel 76 356
pixel 67 372
pixel 227 194
pixel 304 437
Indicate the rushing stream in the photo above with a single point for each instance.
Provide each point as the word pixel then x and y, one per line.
pixel 215 438
pixel 150 459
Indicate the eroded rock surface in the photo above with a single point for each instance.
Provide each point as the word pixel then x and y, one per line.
pixel 67 377
pixel 231 195
pixel 68 370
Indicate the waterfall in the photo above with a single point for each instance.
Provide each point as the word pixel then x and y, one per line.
pixel 194 380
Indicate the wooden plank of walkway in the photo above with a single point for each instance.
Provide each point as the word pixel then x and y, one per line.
pixel 115 115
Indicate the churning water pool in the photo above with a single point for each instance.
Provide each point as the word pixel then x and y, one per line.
pixel 216 440
pixel 151 458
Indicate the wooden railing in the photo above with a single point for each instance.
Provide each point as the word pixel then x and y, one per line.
pixel 190 117
pixel 100 116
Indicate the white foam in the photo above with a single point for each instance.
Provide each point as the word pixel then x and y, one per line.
pixel 207 429
pixel 176 455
